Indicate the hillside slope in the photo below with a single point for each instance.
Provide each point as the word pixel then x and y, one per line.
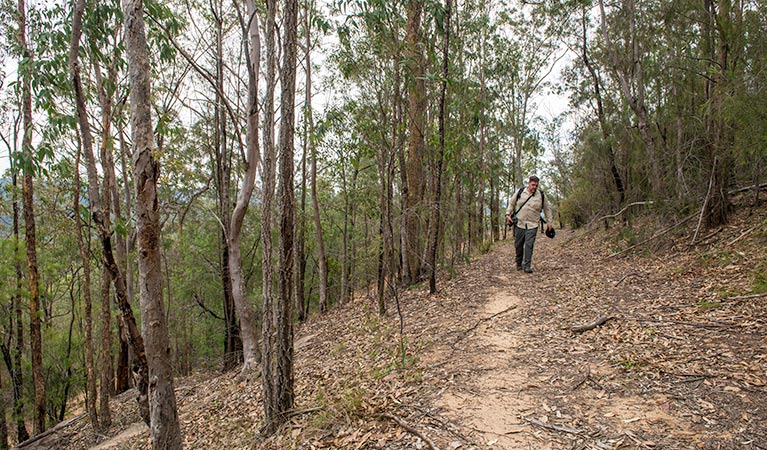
pixel 491 361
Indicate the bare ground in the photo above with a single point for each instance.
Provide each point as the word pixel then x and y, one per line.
pixel 490 361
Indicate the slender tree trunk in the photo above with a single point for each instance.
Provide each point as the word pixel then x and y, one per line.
pixel 416 144
pixel 268 176
pixel 164 425
pixel 15 367
pixel 441 155
pixel 725 33
pixel 36 340
pixel 248 325
pixel 282 396
pixel 318 234
pixel 223 175
pixel 111 197
pixel 107 366
pixel 90 376
pixel 301 223
pixel 3 417
pixel 617 179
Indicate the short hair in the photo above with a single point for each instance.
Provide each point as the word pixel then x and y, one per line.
pixel 533 178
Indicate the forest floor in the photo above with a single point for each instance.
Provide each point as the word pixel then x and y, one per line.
pixel 492 361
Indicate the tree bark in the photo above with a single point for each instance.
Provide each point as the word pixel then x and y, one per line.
pixel 301 311
pixel 416 145
pixel 90 376
pixel 268 176
pixel 441 155
pixel 281 358
pixel 318 234
pixel 248 324
pixel 15 367
pixel 164 425
pixel 36 340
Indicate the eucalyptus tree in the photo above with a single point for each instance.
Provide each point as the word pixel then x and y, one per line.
pixel 100 205
pixel 13 343
pixel 29 167
pixel 86 139
pixel 268 343
pixel 252 44
pixel 322 262
pixel 281 398
pixel 164 424
pixel 417 104
pixel 373 60
pixel 627 66
pixel 434 238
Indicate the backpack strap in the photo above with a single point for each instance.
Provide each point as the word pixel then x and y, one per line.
pixel 519 194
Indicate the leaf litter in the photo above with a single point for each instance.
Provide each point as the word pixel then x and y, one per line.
pixel 491 361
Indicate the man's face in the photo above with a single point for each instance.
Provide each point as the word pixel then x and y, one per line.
pixel 532 186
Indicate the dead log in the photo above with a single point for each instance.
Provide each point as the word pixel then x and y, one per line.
pixel 600 321
pixel 409 429
pixel 41 441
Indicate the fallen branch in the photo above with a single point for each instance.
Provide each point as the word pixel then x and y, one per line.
pixel 744 234
pixel 610 216
pixel 484 319
pixel 683 221
pixel 409 429
pixel 600 321
pixel 755 187
pixel 551 426
pixel 706 237
pixel 299 412
pixel 634 274
pixel 744 297
pixel 31 441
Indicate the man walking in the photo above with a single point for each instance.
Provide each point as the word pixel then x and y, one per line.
pixel 524 213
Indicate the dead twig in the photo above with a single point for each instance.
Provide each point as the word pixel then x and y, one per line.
pixel 583 380
pixel 484 319
pixel 610 216
pixel 409 429
pixel 755 187
pixel 554 427
pixel 299 412
pixel 600 321
pixel 744 234
pixel 634 274
pixel 705 201
pixel 744 297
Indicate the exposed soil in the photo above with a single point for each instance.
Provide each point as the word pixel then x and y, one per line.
pixel 490 361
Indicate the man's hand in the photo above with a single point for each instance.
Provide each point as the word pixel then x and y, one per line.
pixel 508 219
pixel 548 226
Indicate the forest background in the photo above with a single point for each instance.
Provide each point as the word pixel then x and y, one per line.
pixel 429 124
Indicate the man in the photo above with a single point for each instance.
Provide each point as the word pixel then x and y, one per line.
pixel 526 207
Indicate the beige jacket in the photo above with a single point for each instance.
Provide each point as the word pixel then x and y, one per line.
pixel 530 214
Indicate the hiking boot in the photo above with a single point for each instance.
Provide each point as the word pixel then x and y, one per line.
pixel 528 270
pixel 519 267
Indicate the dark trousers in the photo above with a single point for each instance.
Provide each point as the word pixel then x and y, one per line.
pixel 524 240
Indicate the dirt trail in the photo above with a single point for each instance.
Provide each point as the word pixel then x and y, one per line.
pixel 521 379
